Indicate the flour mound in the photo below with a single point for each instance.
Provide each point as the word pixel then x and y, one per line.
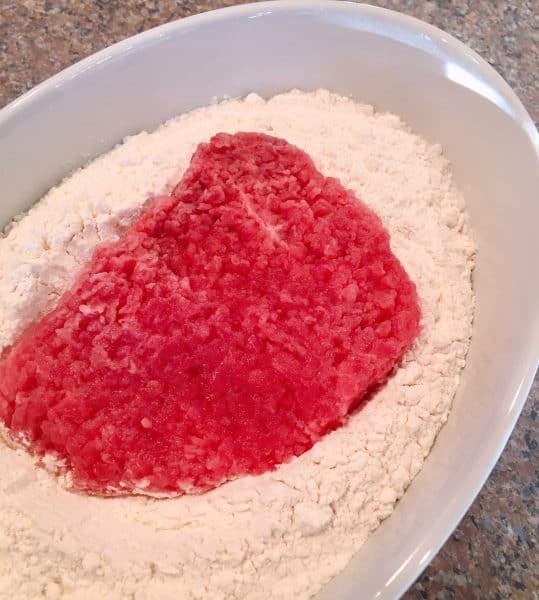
pixel 286 532
pixel 232 326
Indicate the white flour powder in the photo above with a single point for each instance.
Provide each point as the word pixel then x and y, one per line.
pixel 282 534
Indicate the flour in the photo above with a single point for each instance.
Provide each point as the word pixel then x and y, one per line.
pixel 285 533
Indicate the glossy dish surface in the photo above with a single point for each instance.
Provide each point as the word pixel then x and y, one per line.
pixel 376 57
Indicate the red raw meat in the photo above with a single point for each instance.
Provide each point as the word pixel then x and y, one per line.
pixel 234 324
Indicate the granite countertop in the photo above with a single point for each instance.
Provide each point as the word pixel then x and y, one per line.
pixel 494 551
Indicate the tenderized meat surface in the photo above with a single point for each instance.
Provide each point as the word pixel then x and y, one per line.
pixel 233 325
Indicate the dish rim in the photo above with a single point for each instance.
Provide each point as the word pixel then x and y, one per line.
pixel 431 40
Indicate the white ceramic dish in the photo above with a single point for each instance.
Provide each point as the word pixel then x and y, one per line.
pixel 438 85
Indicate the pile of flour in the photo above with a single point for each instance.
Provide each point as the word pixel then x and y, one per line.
pixel 285 533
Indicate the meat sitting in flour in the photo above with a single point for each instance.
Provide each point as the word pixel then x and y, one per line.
pixel 236 322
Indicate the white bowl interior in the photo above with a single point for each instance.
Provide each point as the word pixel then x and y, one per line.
pixel 444 91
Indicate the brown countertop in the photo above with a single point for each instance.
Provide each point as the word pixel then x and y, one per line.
pixel 494 551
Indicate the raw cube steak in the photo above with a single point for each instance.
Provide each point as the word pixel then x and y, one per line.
pixel 234 324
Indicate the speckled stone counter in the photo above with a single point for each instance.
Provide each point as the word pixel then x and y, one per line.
pixel 494 551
